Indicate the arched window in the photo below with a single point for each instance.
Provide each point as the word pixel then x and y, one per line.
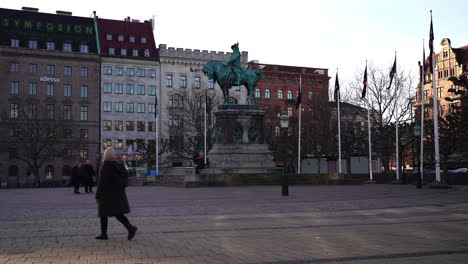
pixel 66 170
pixel 290 95
pixel 13 171
pixel 280 94
pixel 30 172
pixel 176 101
pixel 49 172
pixel 267 93
pixel 277 131
pixel 201 102
pixel 257 93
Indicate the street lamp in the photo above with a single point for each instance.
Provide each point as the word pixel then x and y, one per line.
pixel 416 132
pixel 284 123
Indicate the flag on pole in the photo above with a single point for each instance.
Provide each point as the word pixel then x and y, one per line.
pixel 431 45
pixel 364 82
pixel 299 96
pixel 156 106
pixel 392 73
pixel 337 88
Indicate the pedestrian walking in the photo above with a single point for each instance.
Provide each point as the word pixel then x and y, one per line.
pixel 111 196
pixel 76 178
pixel 88 173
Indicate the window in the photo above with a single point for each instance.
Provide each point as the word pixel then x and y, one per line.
pixel 210 84
pixel 280 94
pixel 107 70
pixel 67 112
pixel 120 38
pixel 123 52
pixel 107 143
pixel 118 71
pixel 32 88
pixel 152 73
pixel 311 94
pixel 267 93
pixel 130 72
pixel 50 111
pixel 141 72
pixel 67 70
pixel 111 51
pixel 130 126
pixel 107 87
pixel 14 88
pixel 108 36
pixel 140 89
pixel 67 153
pixel 141 126
pixel 151 126
pixel 183 81
pixel 67 133
pixel 49 172
pixel 143 40
pixel 32 44
pixel 118 125
pixel 176 101
pixel 135 52
pixel 84 71
pixel 197 81
pixel 33 68
pixel 257 93
pixel 107 125
pixel 140 108
pixel 168 80
pixel 118 106
pixel 14 67
pixel 14 43
pixel 289 111
pixel 146 53
pixel 50 45
pixel 14 110
pixel 67 47
pixel 237 87
pixel 50 69
pixel 67 90
pixel 452 72
pixel 84 153
pixel 83 113
pixel 151 90
pixel 107 106
pixel 32 111
pixel 132 39
pixel 50 90
pixel 130 89
pixel 83 91
pixel 175 120
pixel 151 108
pixel 118 88
pixel 290 95
pixel 83 133
pixel 130 108
pixel 84 48
pixel 439 92
pixel 118 143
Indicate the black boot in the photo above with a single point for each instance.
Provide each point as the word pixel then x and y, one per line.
pixel 103 235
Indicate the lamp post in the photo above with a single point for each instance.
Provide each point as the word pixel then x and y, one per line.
pixel 416 132
pixel 284 124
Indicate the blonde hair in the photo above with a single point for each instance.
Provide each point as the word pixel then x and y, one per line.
pixel 108 154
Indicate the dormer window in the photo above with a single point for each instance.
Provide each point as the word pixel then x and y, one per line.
pixel 121 38
pixel 108 36
pixel 135 52
pixel 143 40
pixel 147 53
pixel 132 39
pixel 111 51
pixel 123 52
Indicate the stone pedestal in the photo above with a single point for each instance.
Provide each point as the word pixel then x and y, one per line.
pixel 239 141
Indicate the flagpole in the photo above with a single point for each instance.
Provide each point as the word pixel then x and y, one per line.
pixel 300 123
pixel 397 159
pixel 204 132
pixel 436 115
pixel 157 133
pixel 421 158
pixel 369 133
pixel 339 127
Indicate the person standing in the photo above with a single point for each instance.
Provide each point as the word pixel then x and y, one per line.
pixel 76 178
pixel 111 196
pixel 88 173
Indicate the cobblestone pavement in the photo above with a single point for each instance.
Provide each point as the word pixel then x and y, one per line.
pixel 252 225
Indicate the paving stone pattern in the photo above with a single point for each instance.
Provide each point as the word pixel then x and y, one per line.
pixel 251 225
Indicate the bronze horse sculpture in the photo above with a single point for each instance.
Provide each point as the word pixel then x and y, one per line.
pixel 226 78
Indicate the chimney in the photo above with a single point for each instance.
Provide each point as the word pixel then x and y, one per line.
pixel 63 13
pixel 30 9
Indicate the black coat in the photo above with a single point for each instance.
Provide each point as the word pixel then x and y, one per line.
pixel 76 177
pixel 87 172
pixel 110 194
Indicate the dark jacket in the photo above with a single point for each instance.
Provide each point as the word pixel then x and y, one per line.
pixel 110 194
pixel 76 175
pixel 88 172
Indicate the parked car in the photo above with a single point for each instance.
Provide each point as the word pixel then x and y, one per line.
pixel 459 170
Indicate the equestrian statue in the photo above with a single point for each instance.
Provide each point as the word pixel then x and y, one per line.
pixel 232 74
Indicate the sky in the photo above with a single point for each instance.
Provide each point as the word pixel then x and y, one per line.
pixel 328 34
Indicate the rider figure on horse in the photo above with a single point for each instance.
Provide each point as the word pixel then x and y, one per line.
pixel 234 62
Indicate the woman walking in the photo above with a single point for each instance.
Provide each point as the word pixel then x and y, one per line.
pixel 110 194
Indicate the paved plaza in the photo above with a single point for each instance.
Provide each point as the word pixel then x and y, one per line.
pixel 251 225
